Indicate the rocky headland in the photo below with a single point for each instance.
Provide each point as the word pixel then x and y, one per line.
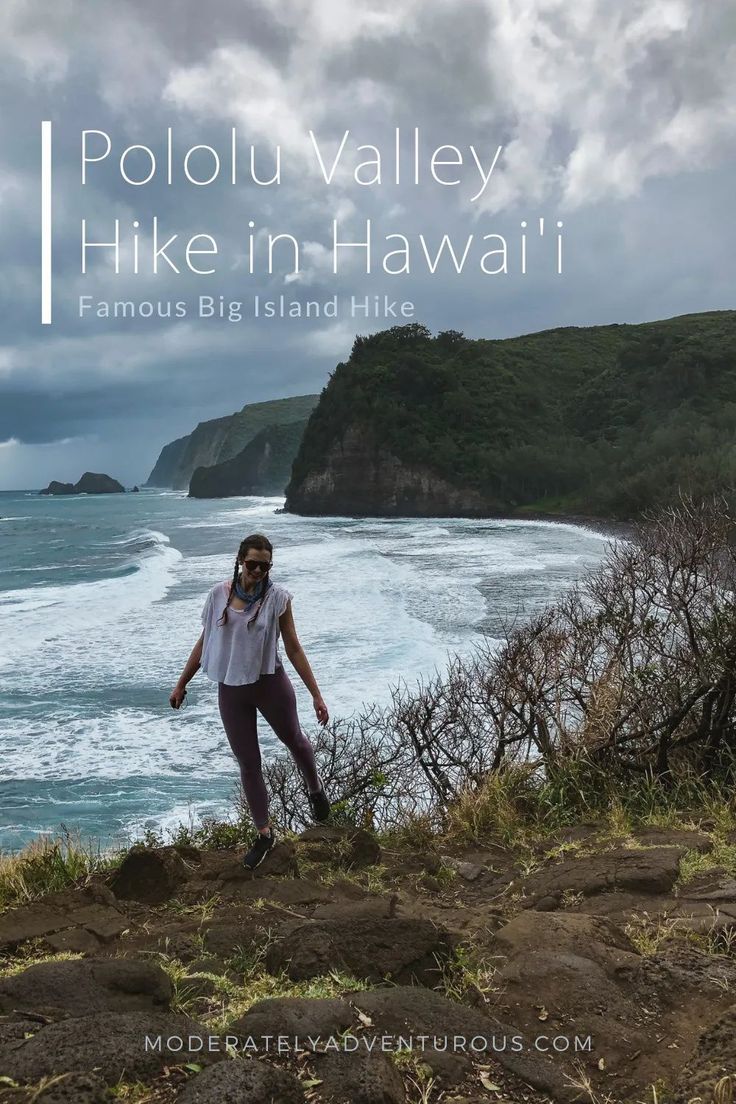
pixel 595 421
pixel 90 483
pixel 218 440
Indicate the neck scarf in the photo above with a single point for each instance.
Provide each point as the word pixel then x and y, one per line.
pixel 260 591
pixel 252 598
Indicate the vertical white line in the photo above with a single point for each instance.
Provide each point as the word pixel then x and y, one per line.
pixel 46 222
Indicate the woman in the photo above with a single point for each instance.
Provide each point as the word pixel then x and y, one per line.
pixel 238 649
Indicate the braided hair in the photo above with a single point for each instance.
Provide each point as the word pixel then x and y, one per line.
pixel 258 542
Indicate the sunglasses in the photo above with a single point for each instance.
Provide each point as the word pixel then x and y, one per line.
pixel 253 565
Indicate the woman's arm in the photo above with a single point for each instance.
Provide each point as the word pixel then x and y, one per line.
pixel 297 656
pixel 191 667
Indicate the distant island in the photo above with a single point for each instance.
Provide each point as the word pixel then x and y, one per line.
pixel 90 483
pixel 215 442
pixel 601 421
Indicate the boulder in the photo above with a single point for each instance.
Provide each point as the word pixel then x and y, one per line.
pixel 712 1064
pixel 293 1016
pixel 350 847
pixel 242 1081
pixel 113 1044
pixel 648 870
pixel 378 908
pixel 469 871
pixel 83 986
pixel 359 1078
pixel 150 875
pixel 88 917
pixel 404 950
pixel 449 1029
pixel 279 863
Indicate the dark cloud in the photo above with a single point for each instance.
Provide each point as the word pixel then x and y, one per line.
pixel 617 118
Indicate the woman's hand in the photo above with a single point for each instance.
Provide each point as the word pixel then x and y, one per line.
pixel 320 709
pixel 177 696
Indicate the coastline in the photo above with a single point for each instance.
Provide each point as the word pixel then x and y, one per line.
pixel 610 527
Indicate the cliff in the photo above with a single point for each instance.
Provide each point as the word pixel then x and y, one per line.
pixel 166 468
pixel 359 476
pixel 220 439
pixel 90 483
pixel 263 467
pixel 600 420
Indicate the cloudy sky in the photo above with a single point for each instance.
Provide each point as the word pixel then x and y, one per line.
pixel 617 119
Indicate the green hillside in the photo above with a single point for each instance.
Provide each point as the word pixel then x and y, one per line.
pixel 220 439
pixel 263 467
pixel 600 419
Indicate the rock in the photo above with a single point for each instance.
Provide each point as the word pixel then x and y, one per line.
pixel 651 870
pixel 358 475
pixel 73 940
pixel 469 871
pixel 572 972
pixel 674 837
pixel 294 1016
pixel 403 1010
pixel 350 847
pixel 89 910
pixel 90 483
pixel 379 908
pixel 359 1078
pixel 714 1059
pixel 529 932
pixel 150 875
pixel 280 862
pixel 113 1044
pixel 401 949
pixel 242 1081
pixel 77 988
pixel 712 886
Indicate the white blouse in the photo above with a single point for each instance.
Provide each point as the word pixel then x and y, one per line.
pixel 246 646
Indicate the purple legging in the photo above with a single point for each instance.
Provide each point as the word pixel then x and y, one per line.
pixel 273 696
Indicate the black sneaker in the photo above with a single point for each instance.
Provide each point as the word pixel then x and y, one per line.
pixel 319 804
pixel 261 846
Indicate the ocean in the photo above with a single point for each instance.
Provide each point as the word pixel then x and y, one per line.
pixel 100 601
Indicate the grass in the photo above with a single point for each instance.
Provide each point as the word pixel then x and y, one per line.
pixel 520 807
pixel 244 981
pixel 469 974
pixel 49 865
pixel 32 955
pixel 721 857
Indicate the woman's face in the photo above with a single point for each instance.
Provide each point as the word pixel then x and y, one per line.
pixel 250 573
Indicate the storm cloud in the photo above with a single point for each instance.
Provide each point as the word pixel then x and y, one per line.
pixel 618 120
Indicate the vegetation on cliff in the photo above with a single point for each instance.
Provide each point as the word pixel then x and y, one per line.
pixel 263 467
pixel 605 420
pixel 220 439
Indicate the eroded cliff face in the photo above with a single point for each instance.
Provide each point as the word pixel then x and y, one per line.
pixel 361 477
pixel 263 467
pixel 221 439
